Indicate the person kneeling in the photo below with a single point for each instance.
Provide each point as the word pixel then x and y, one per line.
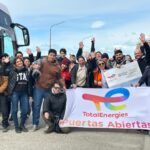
pixel 54 108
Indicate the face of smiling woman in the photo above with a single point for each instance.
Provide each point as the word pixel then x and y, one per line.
pixel 18 63
pixel 101 65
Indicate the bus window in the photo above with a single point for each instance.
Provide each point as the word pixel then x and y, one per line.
pixel 8 46
pixel 19 36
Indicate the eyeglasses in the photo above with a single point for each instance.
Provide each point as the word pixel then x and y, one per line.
pixel 57 88
pixel 101 64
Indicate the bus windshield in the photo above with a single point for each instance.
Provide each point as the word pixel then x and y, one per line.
pixel 5 20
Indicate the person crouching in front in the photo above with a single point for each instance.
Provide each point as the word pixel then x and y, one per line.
pixel 54 108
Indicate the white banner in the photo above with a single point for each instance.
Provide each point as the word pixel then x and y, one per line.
pixel 125 76
pixel 124 108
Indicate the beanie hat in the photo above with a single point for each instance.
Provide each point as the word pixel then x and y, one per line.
pixel 65 61
pixel 105 55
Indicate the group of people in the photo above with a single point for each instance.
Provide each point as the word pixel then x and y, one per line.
pixel 45 80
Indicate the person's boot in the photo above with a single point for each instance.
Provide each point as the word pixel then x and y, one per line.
pixel 5 129
pixel 35 128
pixel 23 129
pixel 49 129
pixel 5 125
pixel 18 130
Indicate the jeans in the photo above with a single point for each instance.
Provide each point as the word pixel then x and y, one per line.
pixel 5 110
pixel 38 95
pixel 21 97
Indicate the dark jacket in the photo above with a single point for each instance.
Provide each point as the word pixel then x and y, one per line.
pixel 55 104
pixel 147 56
pixel 145 77
pixel 7 68
pixel 79 53
pixel 142 64
pixel 31 57
pixel 13 80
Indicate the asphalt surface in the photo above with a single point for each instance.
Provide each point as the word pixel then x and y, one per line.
pixel 78 139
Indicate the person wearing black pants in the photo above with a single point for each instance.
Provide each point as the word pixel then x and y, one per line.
pixel 5 112
pixel 3 100
pixel 7 67
pixel 54 108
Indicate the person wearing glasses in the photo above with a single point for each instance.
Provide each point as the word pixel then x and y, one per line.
pixel 99 80
pixel 54 108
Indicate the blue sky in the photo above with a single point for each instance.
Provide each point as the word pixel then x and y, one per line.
pixel 114 24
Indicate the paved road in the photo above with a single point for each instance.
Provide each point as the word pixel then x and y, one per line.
pixel 78 139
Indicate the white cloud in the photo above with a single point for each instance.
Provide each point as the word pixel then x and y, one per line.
pixel 97 24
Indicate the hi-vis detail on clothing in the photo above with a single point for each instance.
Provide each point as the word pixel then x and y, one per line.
pixel 125 108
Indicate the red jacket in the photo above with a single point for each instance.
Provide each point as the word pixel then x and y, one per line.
pixel 66 75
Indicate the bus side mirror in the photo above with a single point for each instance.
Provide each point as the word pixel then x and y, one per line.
pixel 22 34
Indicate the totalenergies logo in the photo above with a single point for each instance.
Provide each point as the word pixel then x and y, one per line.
pixel 108 99
pixel 112 76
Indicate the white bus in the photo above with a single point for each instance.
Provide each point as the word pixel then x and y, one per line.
pixel 12 35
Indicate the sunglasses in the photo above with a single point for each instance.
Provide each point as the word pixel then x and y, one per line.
pixel 101 64
pixel 57 88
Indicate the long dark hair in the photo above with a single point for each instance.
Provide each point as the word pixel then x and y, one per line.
pixel 15 60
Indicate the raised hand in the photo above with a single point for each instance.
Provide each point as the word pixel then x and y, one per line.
pixel 38 49
pixel 46 115
pixel 74 86
pixel 142 38
pixel 137 85
pixel 81 45
pixel 93 39
pixel 29 51
pixel 86 55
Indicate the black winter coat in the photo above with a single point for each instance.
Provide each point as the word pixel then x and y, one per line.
pixel 55 104
pixel 142 64
pixel 13 79
pixel 145 77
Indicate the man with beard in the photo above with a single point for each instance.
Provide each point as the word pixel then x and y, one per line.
pixel 119 59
